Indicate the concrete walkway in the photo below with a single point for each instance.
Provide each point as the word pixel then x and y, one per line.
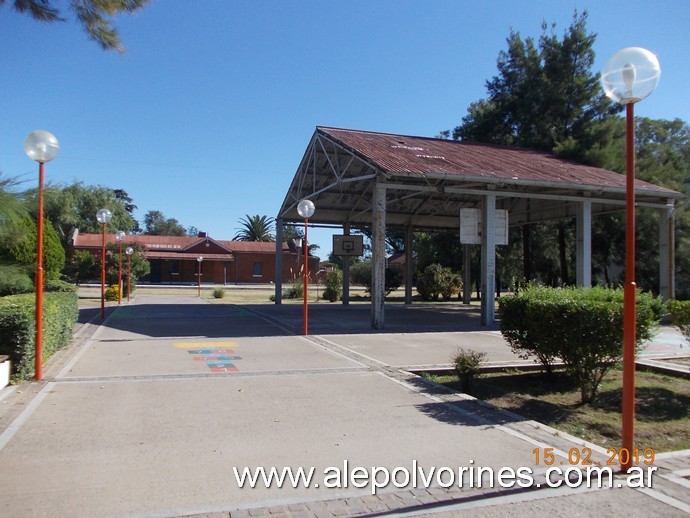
pixel 148 413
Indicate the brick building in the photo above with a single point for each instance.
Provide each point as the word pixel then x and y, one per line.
pixel 173 259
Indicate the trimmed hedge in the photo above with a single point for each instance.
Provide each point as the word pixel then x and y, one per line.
pixel 582 327
pixel 17 327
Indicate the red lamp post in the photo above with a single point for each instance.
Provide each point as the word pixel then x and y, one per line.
pixel 103 216
pixel 628 77
pixel 129 253
pixel 40 146
pixel 305 209
pixel 120 236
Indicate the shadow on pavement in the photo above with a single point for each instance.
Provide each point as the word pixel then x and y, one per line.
pixel 252 320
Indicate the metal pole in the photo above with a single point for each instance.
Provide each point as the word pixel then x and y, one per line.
pixel 198 280
pixel 103 273
pixel 129 276
pixel 629 313
pixel 119 275
pixel 305 312
pixel 38 345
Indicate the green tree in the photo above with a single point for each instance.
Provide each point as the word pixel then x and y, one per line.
pixel 13 212
pixel 292 232
pixel 75 206
pixel 662 158
pixel 95 16
pixel 255 228
pixel 140 267
pixel 156 224
pixel 122 195
pixel 544 96
pixel 24 250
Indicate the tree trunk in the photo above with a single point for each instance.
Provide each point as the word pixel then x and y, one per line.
pixel 526 253
pixel 562 253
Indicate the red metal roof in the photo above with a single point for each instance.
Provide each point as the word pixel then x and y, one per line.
pixel 421 156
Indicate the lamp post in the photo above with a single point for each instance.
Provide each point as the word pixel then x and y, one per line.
pixel 40 146
pixel 120 236
pixel 198 276
pixel 629 76
pixel 103 216
pixel 305 208
pixel 129 253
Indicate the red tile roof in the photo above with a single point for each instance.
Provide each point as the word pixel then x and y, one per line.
pixel 175 244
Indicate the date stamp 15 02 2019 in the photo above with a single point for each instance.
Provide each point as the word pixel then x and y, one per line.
pixel 583 456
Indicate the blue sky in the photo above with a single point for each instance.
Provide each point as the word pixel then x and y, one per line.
pixel 207 115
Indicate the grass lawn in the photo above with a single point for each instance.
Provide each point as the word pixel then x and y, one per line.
pixel 662 406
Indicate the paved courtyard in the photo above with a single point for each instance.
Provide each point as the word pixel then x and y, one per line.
pixel 149 411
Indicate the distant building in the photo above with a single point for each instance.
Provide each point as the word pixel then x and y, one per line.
pixel 173 259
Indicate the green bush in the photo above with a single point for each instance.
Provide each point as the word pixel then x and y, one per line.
pixel 17 327
pixel 24 251
pixel 218 293
pixel 679 311
pixel 360 273
pixel 112 293
pixel 436 280
pixel 58 285
pixel 466 364
pixel 334 286
pixel 582 327
pixel 13 281
pixel 295 290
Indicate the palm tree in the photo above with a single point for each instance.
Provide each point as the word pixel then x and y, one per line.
pixel 255 228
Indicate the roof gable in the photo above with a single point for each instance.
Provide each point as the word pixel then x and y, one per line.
pixel 206 245
pixel 426 181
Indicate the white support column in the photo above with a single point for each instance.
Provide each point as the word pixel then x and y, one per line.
pixel 279 262
pixel 378 256
pixel 488 281
pixel 667 277
pixel 583 276
pixel 346 270
pixel 409 264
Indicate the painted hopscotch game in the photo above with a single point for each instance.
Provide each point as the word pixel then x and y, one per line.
pixel 218 356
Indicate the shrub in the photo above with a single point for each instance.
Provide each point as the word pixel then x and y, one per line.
pixel 58 285
pixel 24 251
pixel 334 286
pixel 582 327
pixel 466 364
pixel 112 293
pixel 679 311
pixel 17 327
pixel 295 290
pixel 14 281
pixel 436 280
pixel 360 273
pixel 218 293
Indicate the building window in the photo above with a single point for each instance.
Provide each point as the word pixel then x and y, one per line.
pixel 174 267
pixel 256 269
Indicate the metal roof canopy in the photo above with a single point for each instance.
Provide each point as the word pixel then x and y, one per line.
pixel 424 182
